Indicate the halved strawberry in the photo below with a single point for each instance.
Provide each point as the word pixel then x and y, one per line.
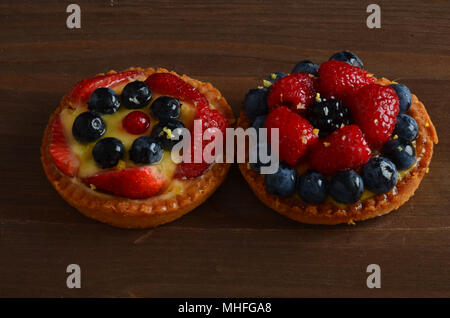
pixel 171 85
pixel 297 91
pixel 82 90
pixel 340 80
pixel 210 118
pixel 59 149
pixel 133 183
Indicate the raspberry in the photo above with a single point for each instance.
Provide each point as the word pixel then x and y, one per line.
pixel 172 85
pixel 344 149
pixel 295 134
pixel 374 109
pixel 297 91
pixel 211 118
pixel 339 79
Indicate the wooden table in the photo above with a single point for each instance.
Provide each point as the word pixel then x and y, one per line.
pixel 232 245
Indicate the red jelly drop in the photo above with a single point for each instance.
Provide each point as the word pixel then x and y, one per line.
pixel 136 122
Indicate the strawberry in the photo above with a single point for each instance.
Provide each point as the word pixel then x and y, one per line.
pixel 172 85
pixel 190 170
pixel 339 79
pixel 374 109
pixel 295 134
pixel 82 90
pixel 297 91
pixel 133 183
pixel 210 119
pixel 345 148
pixel 59 149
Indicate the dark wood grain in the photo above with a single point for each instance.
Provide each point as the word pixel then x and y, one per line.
pixel 232 245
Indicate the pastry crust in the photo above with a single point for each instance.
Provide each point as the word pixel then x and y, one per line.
pixel 129 213
pixel 331 214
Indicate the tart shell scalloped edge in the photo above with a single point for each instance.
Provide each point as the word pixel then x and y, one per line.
pixel 330 214
pixel 146 213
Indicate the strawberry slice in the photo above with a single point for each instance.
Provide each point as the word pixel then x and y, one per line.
pixel 59 149
pixel 210 118
pixel 172 85
pixel 133 183
pixel 82 90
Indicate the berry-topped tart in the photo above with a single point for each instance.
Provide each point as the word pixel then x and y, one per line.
pixel 350 146
pixel 107 147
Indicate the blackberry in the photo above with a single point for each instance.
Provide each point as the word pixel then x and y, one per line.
pixel 328 115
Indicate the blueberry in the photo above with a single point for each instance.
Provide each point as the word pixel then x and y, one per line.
pixel 88 127
pixel 346 186
pixel 164 132
pixel 272 78
pixel 104 100
pixel 400 152
pixel 146 150
pixel 107 152
pixel 312 187
pixel 404 96
pixel 256 166
pixel 282 182
pixel 379 175
pixel 307 67
pixel 259 122
pixel 256 103
pixel 406 128
pixel 136 94
pixel 165 108
pixel 347 57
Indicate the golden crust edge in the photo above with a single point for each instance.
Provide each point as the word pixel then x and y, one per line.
pixel 128 213
pixel 378 205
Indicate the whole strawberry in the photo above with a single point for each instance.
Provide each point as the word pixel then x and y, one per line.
pixel 296 134
pixel 374 109
pixel 340 80
pixel 297 91
pixel 344 149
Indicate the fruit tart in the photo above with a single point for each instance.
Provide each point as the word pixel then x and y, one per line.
pixel 351 146
pixel 107 147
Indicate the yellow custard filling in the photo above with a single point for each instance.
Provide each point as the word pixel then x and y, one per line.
pixel 114 128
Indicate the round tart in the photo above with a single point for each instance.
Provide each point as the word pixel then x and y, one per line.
pixel 107 147
pixel 351 147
